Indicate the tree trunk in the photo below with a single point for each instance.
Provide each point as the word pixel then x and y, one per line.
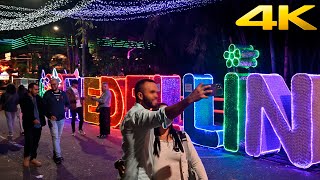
pixel 69 58
pixel 272 54
pixel 84 45
pixel 286 58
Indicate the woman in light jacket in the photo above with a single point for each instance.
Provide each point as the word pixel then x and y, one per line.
pixel 172 155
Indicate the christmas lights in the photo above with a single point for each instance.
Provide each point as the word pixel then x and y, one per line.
pixel 37 17
pixel 18 18
pixel 199 117
pixel 277 117
pixel 92 87
pixel 241 56
pixel 117 110
pixel 131 81
pixel 169 91
pixel 53 41
pixel 234 111
pixel 106 11
pixel 44 82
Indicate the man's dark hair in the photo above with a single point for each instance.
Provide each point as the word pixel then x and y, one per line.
pixel 74 82
pixel 31 85
pixel 138 87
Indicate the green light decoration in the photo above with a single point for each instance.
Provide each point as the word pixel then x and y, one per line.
pixel 29 39
pixel 234 111
pixel 38 40
pixel 238 56
pixel 241 56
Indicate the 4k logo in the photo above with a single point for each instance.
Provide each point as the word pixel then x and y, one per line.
pixel 267 22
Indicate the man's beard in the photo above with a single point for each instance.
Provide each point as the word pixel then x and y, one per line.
pixel 148 103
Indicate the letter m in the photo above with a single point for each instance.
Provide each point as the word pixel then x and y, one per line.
pixel 277 117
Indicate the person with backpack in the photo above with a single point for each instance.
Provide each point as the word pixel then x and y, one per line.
pixel 174 156
pixel 139 121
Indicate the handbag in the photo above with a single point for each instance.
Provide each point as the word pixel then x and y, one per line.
pixel 191 171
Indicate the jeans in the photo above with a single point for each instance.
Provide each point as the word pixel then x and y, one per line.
pixel 56 128
pixel 31 138
pixel 104 120
pixel 10 116
pixel 74 112
pixel 19 116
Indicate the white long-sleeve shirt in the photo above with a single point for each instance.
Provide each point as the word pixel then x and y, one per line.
pixel 168 167
pixel 137 133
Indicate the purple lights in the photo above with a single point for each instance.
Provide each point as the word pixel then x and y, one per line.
pixel 170 91
pixel 277 117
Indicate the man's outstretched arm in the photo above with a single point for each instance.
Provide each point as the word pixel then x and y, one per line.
pixel 196 95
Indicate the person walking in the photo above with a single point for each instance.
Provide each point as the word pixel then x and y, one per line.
pixel 33 112
pixel 9 101
pixel 56 103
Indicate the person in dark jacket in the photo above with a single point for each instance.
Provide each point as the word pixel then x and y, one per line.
pixel 9 101
pixel 56 103
pixel 33 119
pixel 75 106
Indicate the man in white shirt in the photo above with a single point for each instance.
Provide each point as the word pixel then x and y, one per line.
pixel 135 128
pixel 75 106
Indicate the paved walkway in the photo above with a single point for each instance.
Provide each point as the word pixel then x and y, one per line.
pixel 87 157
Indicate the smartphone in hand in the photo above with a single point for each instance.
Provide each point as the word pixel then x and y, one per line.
pixel 217 89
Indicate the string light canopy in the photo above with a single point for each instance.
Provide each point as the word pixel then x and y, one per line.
pixel 20 18
pixel 16 18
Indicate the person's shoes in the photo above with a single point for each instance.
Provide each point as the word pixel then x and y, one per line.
pixel 26 162
pixel 73 134
pixel 36 162
pixel 82 132
pixel 102 136
pixel 57 160
pixel 10 138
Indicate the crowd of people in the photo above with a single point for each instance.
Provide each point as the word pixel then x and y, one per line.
pixel 34 112
pixel 152 148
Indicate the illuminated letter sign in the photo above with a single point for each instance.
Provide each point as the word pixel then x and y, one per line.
pixel 169 91
pixel 277 117
pixel 91 88
pixel 234 111
pixel 131 81
pixel 117 101
pixel 198 117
